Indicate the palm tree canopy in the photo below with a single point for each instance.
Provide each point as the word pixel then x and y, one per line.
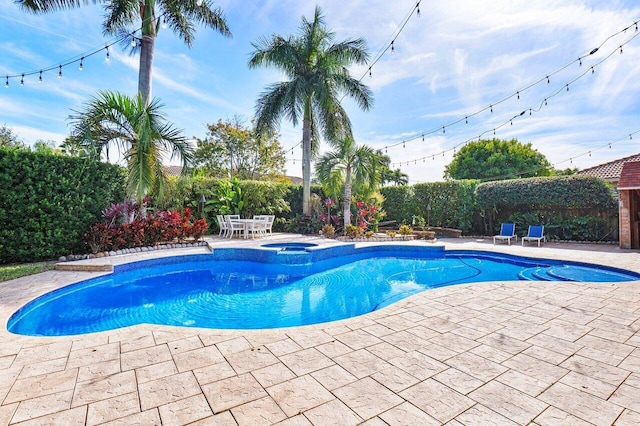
pixel 123 15
pixel 317 73
pixel 141 133
pixel 356 165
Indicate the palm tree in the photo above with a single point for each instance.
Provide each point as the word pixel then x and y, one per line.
pixel 318 76
pixel 140 132
pixel 121 17
pixel 395 176
pixel 350 167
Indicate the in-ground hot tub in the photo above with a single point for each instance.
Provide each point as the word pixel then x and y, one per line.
pixel 290 246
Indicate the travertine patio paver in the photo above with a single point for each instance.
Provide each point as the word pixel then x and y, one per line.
pixel 541 353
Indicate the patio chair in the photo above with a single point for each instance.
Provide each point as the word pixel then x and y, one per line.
pixel 258 226
pixel 224 228
pixel 507 232
pixel 270 218
pixel 535 233
pixel 232 226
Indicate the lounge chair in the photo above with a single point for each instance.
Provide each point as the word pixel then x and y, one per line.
pixel 535 233
pixel 507 232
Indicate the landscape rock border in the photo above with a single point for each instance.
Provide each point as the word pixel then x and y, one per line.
pixel 99 255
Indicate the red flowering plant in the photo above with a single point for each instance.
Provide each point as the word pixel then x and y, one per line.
pixel 368 215
pixel 144 230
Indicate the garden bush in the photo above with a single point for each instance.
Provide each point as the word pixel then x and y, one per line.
pixel 47 202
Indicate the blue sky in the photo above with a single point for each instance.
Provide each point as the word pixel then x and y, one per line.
pixel 454 60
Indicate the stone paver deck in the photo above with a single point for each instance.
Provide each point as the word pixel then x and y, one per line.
pixel 501 353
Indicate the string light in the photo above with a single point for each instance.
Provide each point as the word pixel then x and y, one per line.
pixel 164 22
pixel 546 77
pixel 107 57
pixel 40 78
pixel 6 84
pixel 393 49
pixel 60 71
pixel 81 67
pixel 133 42
pixel 418 9
pixel 22 80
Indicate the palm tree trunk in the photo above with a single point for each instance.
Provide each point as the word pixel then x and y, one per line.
pixel 146 66
pixel 346 211
pixel 306 166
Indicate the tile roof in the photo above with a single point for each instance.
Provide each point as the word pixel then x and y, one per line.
pixel 630 176
pixel 611 170
pixel 173 170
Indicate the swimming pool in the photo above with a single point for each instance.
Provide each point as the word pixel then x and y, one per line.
pixel 268 288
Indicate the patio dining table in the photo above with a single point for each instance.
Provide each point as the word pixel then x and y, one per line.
pixel 246 223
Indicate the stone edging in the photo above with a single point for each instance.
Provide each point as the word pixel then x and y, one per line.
pixel 73 257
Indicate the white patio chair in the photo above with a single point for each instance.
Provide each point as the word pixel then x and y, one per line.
pixel 258 226
pixel 224 228
pixel 233 226
pixel 270 219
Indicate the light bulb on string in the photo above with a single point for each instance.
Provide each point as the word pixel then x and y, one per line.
pixel 589 153
pixel 393 49
pixel 133 42
pixel 403 144
pixel 164 22
pixel 548 81
pixel 567 87
pixel 40 78
pixel 385 149
pixel 370 72
pixel 580 61
pixel 630 136
pixel 545 102
pixel 22 80
pixel 81 67
pixel 423 137
pixel 466 120
pixel 107 57
pixel 6 84
pixel 491 107
pixel 60 71
pixel 442 129
pixel 518 93
pixel 593 71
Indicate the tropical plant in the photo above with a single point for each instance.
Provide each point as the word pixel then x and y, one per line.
pixel 125 17
pixel 405 230
pixel 140 132
pixel 318 76
pixel 352 231
pixel 350 168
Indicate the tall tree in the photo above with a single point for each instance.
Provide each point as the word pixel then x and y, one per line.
pixel 350 168
pixel 233 150
pixel 8 139
pixel 496 159
pixel 317 73
pixel 141 133
pixel 125 16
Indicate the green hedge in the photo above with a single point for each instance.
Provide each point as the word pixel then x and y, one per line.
pixel 47 202
pixel 562 192
pixel 571 207
pixel 452 203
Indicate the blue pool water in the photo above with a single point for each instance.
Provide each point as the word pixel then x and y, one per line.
pixel 253 288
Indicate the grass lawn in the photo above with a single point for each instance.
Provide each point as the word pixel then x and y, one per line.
pixel 9 272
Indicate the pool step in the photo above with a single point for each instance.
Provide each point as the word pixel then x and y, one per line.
pixel 536 274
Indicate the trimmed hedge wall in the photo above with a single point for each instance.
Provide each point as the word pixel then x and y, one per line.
pixel 560 193
pixel 571 207
pixel 452 203
pixel 48 201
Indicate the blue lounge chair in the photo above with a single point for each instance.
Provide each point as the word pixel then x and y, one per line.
pixel 535 233
pixel 507 232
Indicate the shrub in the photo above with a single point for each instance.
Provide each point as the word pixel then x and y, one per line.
pixel 157 227
pixel 353 231
pixel 405 230
pixel 392 234
pixel 369 234
pixel 47 202
pixel 328 231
